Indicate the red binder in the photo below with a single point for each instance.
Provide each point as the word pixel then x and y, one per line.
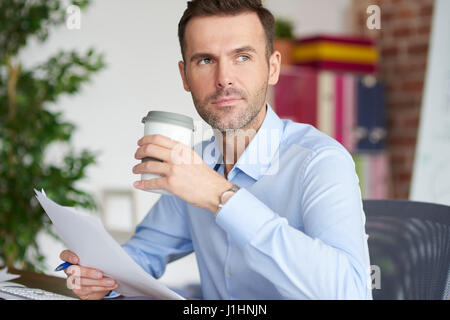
pixel 296 95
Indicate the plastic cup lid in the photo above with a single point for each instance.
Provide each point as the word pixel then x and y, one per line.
pixel 170 117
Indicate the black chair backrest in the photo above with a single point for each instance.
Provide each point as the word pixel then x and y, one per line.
pixel 410 243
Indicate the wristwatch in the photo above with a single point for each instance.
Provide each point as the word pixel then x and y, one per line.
pixel 227 194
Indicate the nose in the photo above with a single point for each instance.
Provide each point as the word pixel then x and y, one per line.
pixel 224 76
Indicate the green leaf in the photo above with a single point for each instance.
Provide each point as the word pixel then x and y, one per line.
pixel 284 28
pixel 33 128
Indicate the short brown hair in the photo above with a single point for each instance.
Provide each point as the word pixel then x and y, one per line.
pixel 203 8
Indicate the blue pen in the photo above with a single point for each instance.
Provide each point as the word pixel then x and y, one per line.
pixel 63 266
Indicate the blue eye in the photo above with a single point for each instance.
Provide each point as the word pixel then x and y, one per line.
pixel 243 58
pixel 205 61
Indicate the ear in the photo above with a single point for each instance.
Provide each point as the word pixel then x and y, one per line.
pixel 274 67
pixel 183 76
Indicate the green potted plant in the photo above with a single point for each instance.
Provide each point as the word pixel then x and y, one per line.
pixel 284 39
pixel 28 127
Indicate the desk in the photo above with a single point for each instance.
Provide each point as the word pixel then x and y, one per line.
pixel 54 284
pixel 42 281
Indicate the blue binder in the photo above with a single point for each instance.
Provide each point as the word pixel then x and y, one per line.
pixel 371 119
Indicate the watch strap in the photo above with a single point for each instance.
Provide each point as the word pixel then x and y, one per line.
pixel 234 188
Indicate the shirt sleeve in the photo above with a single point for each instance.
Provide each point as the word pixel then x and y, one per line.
pixel 329 259
pixel 163 236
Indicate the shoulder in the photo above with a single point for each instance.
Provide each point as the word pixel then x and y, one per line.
pixel 311 145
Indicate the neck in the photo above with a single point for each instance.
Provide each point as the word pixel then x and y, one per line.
pixel 235 142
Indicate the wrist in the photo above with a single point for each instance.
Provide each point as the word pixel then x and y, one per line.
pixel 226 195
pixel 215 199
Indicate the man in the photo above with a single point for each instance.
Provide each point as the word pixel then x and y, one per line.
pixel 288 227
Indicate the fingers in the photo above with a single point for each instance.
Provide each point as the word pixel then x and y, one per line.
pixel 105 284
pixel 78 283
pixel 85 282
pixel 155 183
pixel 155 167
pixel 178 154
pixel 69 256
pixel 84 272
pixel 157 139
pixel 89 283
pixel 161 147
pixel 154 151
pixel 102 283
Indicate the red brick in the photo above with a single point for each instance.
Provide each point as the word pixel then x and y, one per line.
pixel 405 166
pixel 410 120
pixel 426 10
pixel 405 124
pixel 399 100
pixel 399 159
pixel 386 16
pixel 401 106
pixel 403 141
pixel 413 85
pixel 416 49
pixel 389 52
pixel 405 14
pixel 424 29
pixel 401 190
pixel 396 132
pixel 404 68
pixel 391 85
pixel 402 32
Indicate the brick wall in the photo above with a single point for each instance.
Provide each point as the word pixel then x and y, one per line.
pixel 403 43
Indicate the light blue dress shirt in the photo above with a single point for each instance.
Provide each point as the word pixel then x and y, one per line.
pixel 295 229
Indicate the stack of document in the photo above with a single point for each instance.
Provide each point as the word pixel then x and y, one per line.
pixel 6 276
pixel 85 236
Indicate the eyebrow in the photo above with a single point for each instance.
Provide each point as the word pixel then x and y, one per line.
pixel 204 55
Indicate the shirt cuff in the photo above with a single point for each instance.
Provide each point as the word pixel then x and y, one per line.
pixel 243 215
pixel 113 294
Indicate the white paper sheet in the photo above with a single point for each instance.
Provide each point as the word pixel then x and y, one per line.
pixel 5 276
pixel 86 236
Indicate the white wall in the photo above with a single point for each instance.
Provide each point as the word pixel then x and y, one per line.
pixel 431 176
pixel 314 16
pixel 139 39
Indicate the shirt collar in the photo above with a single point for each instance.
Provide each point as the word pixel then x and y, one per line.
pixel 263 149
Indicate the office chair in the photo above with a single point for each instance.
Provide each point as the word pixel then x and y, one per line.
pixel 410 243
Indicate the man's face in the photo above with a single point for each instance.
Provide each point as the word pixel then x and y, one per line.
pixel 226 69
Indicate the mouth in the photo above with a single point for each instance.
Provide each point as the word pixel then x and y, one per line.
pixel 226 102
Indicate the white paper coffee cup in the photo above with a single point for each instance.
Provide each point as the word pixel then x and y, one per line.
pixel 173 125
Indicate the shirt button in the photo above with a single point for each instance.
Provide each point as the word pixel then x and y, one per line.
pixel 229 272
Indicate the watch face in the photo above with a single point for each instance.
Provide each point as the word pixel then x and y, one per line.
pixel 227 195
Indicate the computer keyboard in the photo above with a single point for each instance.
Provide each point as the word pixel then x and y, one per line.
pixel 23 293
